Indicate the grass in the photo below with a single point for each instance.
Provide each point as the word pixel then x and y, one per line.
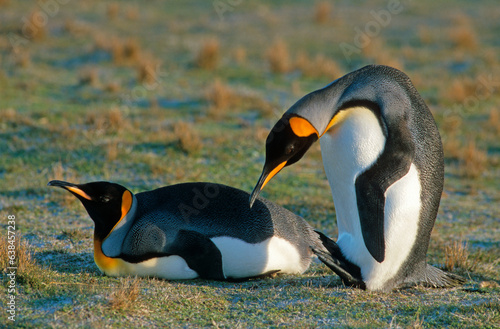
pixel 116 92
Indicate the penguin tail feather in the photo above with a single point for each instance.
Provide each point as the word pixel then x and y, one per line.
pixel 438 278
pixel 434 277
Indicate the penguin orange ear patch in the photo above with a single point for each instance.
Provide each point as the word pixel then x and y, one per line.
pixel 337 118
pixel 126 203
pixel 301 127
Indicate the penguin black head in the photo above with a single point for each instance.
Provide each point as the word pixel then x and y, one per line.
pixel 287 142
pixel 106 203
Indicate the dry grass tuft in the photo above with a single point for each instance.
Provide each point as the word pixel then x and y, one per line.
pixel 59 172
pixel 451 143
pixel 322 12
pixel 220 95
pixel 278 57
pixel 129 53
pixel 37 29
pixel 116 48
pixel 452 147
pixel 320 66
pixel 102 41
pixel 115 118
pixel 112 10
pixel 208 56
pixel 123 52
pixel 112 87
pixel 125 296
pixel 23 259
pixel 452 124
pixel 106 121
pixel 89 76
pixel 27 273
pixel 131 50
pixel 456 256
pixel 374 47
pixel 489 284
pixel 187 137
pixel 240 55
pixel 132 13
pixel 75 27
pixel 463 35
pixel 8 115
pixel 147 70
pixel 474 161
pixel 460 89
pixel 112 150
pixel 494 120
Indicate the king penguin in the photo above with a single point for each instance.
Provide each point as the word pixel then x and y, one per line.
pixel 193 230
pixel 383 159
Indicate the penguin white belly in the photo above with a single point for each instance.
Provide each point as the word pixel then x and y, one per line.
pixel 242 259
pixel 349 148
pixel 169 267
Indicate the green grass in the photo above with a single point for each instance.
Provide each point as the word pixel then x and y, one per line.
pixel 54 126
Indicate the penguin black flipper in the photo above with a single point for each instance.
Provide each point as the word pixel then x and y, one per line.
pixel 335 260
pixel 393 163
pixel 200 253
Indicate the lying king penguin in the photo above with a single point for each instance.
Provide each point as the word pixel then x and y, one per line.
pixel 193 230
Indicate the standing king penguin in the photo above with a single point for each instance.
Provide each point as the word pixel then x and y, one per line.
pixel 193 230
pixel 383 158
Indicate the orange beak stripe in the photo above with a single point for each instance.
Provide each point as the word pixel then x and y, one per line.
pixel 79 192
pixel 273 173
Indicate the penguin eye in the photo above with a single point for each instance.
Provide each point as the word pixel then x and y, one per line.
pixel 290 149
pixel 104 199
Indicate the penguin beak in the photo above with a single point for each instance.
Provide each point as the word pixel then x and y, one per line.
pixel 265 177
pixel 73 188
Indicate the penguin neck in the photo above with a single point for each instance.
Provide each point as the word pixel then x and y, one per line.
pixel 317 107
pixel 350 146
pixel 112 244
pixel 107 262
pixel 103 262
